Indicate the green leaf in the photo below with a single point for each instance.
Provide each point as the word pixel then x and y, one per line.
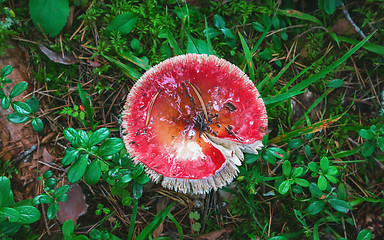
pixel 5 102
pixel 68 230
pixel 49 16
pixel 62 198
pixel 28 214
pixel 18 89
pixel 322 183
pixel 258 27
pixel 324 164
pixel 278 238
pixel 37 124
pixel 33 103
pixel 287 168
pixel 316 207
pixel 297 172
pixel 6 195
pixel 364 234
pixel 368 149
pixel 77 170
pixel 137 170
pixel 51 211
pixel 299 15
pixel 93 172
pixel 69 156
pixel 302 182
pixel 218 21
pixel 315 191
pixel 142 179
pixel 86 100
pixel 284 187
pixel 61 191
pixel 123 23
pixel 9 213
pixel 16 117
pixel 336 83
pixel 194 215
pixel 269 157
pixel 313 167
pixel 380 143
pixel 6 71
pixel 364 133
pixel 43 198
pixel 331 178
pixel 111 146
pixel 340 205
pixel 83 137
pixel 332 171
pixel 21 107
pixel 71 135
pixel 137 190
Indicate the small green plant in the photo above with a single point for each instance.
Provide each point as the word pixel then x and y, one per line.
pixel 24 111
pixel 195 216
pixel 375 139
pixel 292 177
pixel 101 209
pixel 325 172
pixel 76 112
pixel 14 215
pixel 51 197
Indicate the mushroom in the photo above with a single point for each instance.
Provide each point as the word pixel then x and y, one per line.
pixel 189 120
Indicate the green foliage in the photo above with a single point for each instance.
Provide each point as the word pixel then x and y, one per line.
pixel 48 16
pixel 124 23
pixel 51 196
pixel 23 111
pixel 14 215
pixel 375 139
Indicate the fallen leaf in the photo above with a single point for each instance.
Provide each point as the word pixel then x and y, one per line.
pixel 161 205
pixel 215 234
pixel 74 207
pixel 342 27
pixel 67 59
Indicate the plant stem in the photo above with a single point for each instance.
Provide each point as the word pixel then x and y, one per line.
pixel 133 218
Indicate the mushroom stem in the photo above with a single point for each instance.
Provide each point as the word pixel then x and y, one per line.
pixel 201 101
pixel 150 107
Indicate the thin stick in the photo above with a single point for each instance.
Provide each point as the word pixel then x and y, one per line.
pixel 150 107
pixel 201 101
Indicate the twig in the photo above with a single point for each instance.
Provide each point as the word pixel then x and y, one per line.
pixel 358 30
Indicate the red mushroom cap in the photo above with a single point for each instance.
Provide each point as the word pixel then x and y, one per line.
pixel 190 118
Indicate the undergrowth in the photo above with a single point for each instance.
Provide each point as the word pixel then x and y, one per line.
pixel 319 175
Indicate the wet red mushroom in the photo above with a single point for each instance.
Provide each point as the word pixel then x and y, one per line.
pixel 189 119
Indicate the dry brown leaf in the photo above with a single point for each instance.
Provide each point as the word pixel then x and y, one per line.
pixel 67 59
pixel 215 234
pixel 74 207
pixel 161 205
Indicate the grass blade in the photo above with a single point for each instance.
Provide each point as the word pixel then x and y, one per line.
pixel 248 58
pixel 368 46
pixel 277 77
pixel 135 60
pixel 159 218
pixel 173 42
pixel 299 15
pixel 316 127
pixel 210 47
pixel 280 98
pixel 300 86
pixel 130 72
